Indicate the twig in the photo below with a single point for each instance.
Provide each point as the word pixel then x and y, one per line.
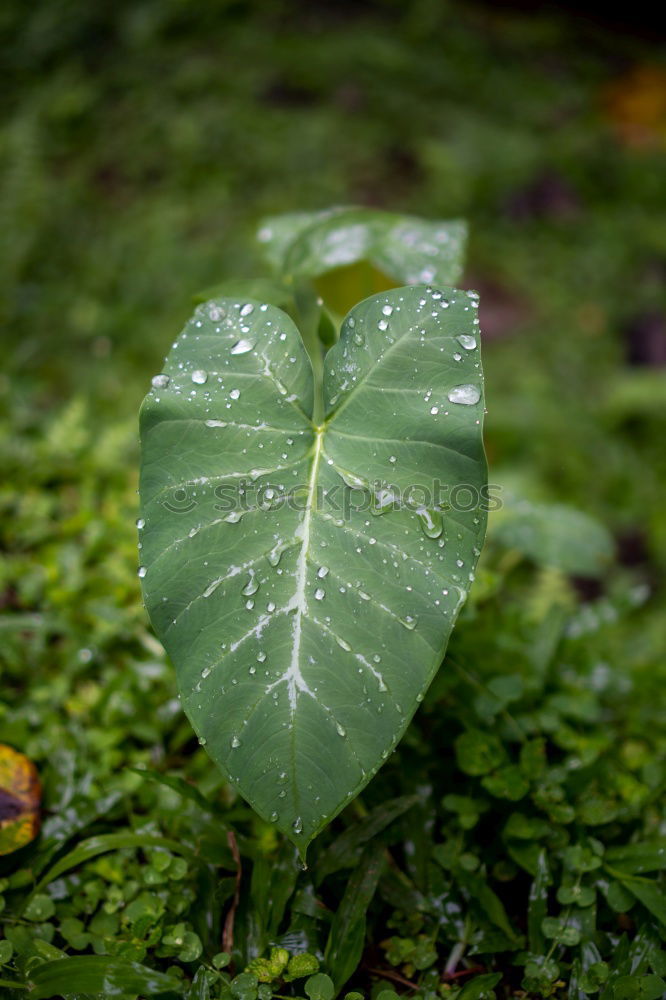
pixel 447 977
pixel 394 976
pixel 228 932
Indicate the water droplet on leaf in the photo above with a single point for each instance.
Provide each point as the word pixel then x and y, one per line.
pixel 251 587
pixel 468 395
pixel 431 522
pixel 242 347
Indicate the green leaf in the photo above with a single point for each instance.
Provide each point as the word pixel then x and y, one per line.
pixel 40 907
pixel 345 849
pixel 638 988
pixel 594 977
pixel 319 987
pixel 480 986
pixel 97 975
pixel 244 987
pixel 506 783
pixel 287 604
pixel 346 939
pixel 200 988
pixel 555 535
pixel 93 846
pixel 406 248
pixel 300 966
pixel 558 928
pixel 619 898
pixel 538 904
pixel 635 859
pixel 650 894
pixel 578 895
pixel 479 752
pixel 488 902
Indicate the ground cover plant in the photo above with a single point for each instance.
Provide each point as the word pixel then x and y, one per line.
pixel 513 843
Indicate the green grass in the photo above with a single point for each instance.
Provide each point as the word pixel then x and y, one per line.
pixel 517 830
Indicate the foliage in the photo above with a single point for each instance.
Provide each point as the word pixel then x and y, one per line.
pixel 517 831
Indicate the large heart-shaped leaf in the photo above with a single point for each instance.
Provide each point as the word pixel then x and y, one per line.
pixel 305 579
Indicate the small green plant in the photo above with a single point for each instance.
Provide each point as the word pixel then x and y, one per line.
pixel 313 507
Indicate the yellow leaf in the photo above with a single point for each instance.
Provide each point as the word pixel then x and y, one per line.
pixel 20 797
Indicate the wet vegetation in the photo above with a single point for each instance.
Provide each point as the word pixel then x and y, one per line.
pixel 513 845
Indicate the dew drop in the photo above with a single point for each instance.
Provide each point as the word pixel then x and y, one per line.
pixel 247 309
pixel 435 409
pixel 235 394
pixel 468 395
pixel 387 310
pixel 199 376
pixel 297 825
pixel 261 657
pixel 202 741
pixel 233 517
pixel 409 622
pixel 431 522
pixel 322 572
pixel 469 343
pixel 355 482
pixel 274 555
pixel 320 594
pixel 235 742
pixel 141 523
pixel 340 730
pixel 274 817
pixel 160 381
pixel 383 324
pixel 242 347
pixel 251 587
pixel 141 572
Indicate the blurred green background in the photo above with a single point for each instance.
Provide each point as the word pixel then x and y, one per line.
pixel 140 144
pixel 142 141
